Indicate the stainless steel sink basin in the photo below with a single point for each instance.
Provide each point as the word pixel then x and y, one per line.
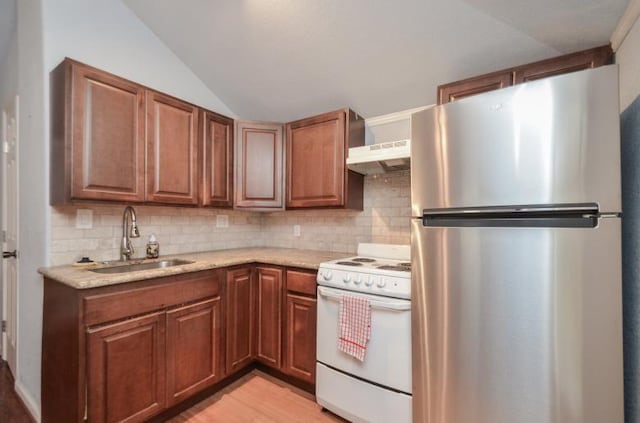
pixel 133 267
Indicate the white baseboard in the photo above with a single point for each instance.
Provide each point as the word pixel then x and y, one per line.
pixel 32 406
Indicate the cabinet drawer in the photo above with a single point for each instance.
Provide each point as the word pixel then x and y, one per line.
pixel 302 282
pixel 114 302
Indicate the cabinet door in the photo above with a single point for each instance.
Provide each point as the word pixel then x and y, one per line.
pixel 472 86
pixel 581 60
pixel 126 370
pixel 194 348
pixel 300 341
pixel 217 154
pixel 106 137
pixel 172 150
pixel 240 316
pixel 269 294
pixel 316 161
pixel 317 175
pixel 259 150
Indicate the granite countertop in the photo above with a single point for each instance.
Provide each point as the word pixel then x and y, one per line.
pixel 84 278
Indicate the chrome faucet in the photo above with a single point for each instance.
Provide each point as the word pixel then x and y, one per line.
pixel 126 248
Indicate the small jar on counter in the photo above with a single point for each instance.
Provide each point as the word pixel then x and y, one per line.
pixel 153 247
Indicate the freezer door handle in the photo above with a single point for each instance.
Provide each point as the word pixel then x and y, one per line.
pixel 534 216
pixel 393 305
pixel 554 209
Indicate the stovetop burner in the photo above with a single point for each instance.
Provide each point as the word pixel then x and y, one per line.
pixel 391 267
pixel 375 269
pixel 349 263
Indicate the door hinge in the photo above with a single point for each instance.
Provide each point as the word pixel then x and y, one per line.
pixel 4 326
pixel 5 147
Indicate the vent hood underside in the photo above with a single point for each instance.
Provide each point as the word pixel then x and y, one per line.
pixel 380 158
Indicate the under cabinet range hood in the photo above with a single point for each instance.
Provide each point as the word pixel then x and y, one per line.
pixel 380 158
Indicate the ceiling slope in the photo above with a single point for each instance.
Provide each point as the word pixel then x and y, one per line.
pixel 279 60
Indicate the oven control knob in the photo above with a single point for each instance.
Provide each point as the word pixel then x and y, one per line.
pixel 326 274
pixel 382 283
pixel 346 278
pixel 369 281
pixel 358 280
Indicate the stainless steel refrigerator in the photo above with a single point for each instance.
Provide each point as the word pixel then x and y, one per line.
pixel 516 277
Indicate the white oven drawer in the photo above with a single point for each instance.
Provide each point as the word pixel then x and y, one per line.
pixel 360 402
pixel 388 358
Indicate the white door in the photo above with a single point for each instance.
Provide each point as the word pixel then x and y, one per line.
pixel 10 230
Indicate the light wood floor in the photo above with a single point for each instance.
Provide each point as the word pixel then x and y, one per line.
pixel 257 398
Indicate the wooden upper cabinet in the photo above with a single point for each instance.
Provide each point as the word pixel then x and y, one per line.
pixel 115 140
pixel 317 175
pixel 97 136
pixel 581 60
pixel 259 164
pixel 217 158
pixel 172 150
pixel 472 86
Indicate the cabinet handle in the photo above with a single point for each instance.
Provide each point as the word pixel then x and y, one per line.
pixel 9 254
pixel 377 304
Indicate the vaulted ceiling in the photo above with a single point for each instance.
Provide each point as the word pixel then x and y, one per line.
pixel 280 60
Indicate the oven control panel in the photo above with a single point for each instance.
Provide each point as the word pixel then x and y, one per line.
pixel 379 284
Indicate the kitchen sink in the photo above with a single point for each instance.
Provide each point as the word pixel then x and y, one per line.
pixel 135 266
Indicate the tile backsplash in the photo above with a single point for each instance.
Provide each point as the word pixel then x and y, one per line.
pixel 385 219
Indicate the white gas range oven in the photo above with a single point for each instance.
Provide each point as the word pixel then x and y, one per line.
pixel 379 388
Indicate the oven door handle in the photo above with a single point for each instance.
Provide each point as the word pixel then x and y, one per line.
pixel 394 305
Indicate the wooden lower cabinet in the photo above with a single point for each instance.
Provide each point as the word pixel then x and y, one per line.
pixel 300 329
pixel 126 370
pixel 269 285
pixel 300 326
pixel 127 352
pixel 194 349
pixel 240 317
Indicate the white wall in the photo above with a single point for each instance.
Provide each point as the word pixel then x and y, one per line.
pixel 8 90
pixel 108 35
pixel 32 198
pixel 102 33
pixel 628 57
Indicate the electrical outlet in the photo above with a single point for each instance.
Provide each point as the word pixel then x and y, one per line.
pixel 222 221
pixel 296 230
pixel 84 219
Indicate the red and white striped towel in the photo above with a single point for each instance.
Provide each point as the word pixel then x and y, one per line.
pixel 355 325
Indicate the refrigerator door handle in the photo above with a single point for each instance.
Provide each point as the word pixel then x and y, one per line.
pixel 532 216
pixel 551 209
